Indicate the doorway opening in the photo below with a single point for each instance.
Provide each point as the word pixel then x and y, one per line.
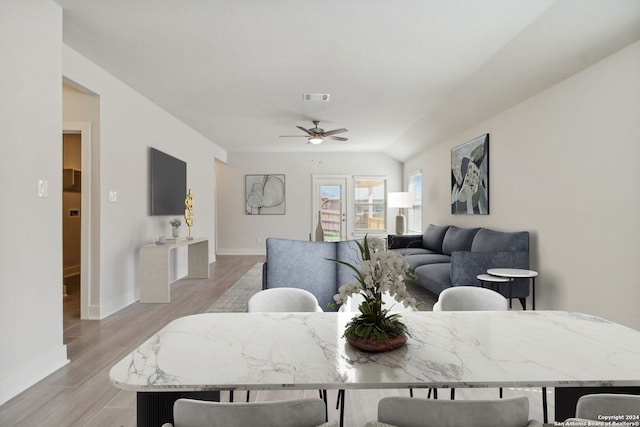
pixel 71 224
pixel 329 217
pixel 76 221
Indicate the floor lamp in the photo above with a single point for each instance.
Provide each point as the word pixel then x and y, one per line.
pixel 400 200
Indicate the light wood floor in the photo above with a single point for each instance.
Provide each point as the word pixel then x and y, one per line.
pixel 80 393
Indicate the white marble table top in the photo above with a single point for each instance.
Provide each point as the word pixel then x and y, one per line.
pixel 230 351
pixel 512 272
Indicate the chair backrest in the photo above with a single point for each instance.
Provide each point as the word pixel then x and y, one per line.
pixel 289 300
pixel 417 412
pixel 596 406
pixel 470 298
pixel 289 413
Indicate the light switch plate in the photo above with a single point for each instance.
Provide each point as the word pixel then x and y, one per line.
pixel 113 196
pixel 43 188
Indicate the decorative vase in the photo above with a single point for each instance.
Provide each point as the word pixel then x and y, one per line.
pixel 375 346
pixel 175 231
pixel 319 230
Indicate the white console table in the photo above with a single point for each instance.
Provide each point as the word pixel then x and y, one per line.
pixel 155 281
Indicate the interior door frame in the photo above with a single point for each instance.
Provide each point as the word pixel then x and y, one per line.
pixel 84 129
pixel 346 208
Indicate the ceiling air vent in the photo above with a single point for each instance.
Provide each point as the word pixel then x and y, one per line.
pixel 323 97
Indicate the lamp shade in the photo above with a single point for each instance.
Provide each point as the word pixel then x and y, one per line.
pixel 400 200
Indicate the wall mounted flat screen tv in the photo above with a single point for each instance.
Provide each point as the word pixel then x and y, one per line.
pixel 168 183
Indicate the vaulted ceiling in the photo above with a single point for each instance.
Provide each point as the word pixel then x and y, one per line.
pixel 401 74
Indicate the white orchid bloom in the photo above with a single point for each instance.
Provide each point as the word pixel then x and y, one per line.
pixel 384 272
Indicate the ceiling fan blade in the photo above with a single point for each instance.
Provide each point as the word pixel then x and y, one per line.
pixel 335 131
pixel 337 138
pixel 294 136
pixel 305 130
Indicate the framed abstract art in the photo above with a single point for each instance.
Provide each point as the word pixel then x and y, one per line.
pixel 264 195
pixel 470 177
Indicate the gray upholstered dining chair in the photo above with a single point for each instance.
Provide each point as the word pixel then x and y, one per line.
pixel 288 300
pixel 592 407
pixel 282 300
pixel 288 413
pixel 470 298
pixel 417 412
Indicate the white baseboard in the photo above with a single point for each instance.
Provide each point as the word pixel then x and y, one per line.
pixel 30 373
pixel 93 312
pixel 223 251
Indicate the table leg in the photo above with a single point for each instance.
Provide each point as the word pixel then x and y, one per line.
pixel 510 292
pixel 545 415
pixel 533 293
pixel 323 396
pixel 342 408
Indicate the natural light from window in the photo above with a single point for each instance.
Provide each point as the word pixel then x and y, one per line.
pixel 414 214
pixel 370 201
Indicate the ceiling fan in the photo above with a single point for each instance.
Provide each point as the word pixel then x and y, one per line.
pixel 316 135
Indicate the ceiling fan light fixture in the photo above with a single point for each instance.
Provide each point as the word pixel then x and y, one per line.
pixel 316 135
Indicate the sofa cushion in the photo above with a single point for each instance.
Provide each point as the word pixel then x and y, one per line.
pixel 434 277
pixel 423 259
pixel 413 251
pixel 433 237
pixel 458 239
pixel 487 240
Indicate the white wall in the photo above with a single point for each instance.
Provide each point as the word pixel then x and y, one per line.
pixel 564 166
pixel 31 344
pixel 129 125
pixel 245 234
pixel 31 117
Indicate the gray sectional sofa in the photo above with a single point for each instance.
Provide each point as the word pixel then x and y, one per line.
pixel 304 264
pixel 446 256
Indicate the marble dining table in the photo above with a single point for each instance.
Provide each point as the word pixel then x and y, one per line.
pixel 269 351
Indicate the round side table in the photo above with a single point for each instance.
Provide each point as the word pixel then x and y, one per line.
pixel 518 273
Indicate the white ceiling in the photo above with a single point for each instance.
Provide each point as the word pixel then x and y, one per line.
pixel 401 73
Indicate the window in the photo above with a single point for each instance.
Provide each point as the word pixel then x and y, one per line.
pixel 370 195
pixel 414 214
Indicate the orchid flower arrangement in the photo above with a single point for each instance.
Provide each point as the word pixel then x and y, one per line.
pixel 381 271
